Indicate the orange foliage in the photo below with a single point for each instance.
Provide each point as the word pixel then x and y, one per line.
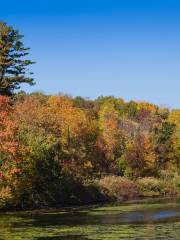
pixel 8 128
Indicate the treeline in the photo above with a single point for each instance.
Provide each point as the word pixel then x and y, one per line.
pixel 63 150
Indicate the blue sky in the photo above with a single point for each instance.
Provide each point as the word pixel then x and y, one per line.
pixel 125 48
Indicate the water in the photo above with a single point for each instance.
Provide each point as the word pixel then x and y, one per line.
pixel 152 220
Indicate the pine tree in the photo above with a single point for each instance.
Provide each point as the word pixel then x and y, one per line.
pixel 13 62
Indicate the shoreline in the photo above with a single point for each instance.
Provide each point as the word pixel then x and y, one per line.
pixel 79 207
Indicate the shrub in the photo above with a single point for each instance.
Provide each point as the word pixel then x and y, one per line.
pixel 176 183
pixel 92 193
pixel 152 187
pixel 172 178
pixel 118 188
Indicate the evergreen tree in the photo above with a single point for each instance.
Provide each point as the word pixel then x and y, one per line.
pixel 13 62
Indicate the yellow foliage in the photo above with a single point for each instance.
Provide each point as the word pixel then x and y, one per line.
pixel 147 106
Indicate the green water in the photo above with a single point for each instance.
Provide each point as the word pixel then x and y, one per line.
pixel 152 220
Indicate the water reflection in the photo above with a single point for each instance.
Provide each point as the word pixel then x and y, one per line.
pixel 134 221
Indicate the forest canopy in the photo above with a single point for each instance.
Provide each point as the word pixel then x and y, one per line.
pixel 52 145
pixel 55 149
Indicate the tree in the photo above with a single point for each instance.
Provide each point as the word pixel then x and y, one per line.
pixel 111 141
pixel 11 151
pixel 174 118
pixel 8 143
pixel 77 136
pixel 140 156
pixel 13 64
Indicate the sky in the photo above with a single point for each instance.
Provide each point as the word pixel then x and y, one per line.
pixel 89 48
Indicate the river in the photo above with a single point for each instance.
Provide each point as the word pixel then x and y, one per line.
pixel 136 220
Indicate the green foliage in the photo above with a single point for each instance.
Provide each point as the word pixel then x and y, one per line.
pixel 13 62
pixel 165 132
pixel 171 178
pixel 153 187
pixel 131 109
pixel 124 168
pixel 150 186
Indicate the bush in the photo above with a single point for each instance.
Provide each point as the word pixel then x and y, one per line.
pixel 176 183
pixel 172 178
pixel 150 186
pixel 154 187
pixel 92 193
pixel 118 188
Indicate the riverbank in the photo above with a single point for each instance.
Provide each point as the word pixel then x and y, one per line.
pixel 75 208
pixel 110 189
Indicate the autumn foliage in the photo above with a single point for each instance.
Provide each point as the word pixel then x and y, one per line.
pixel 51 146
